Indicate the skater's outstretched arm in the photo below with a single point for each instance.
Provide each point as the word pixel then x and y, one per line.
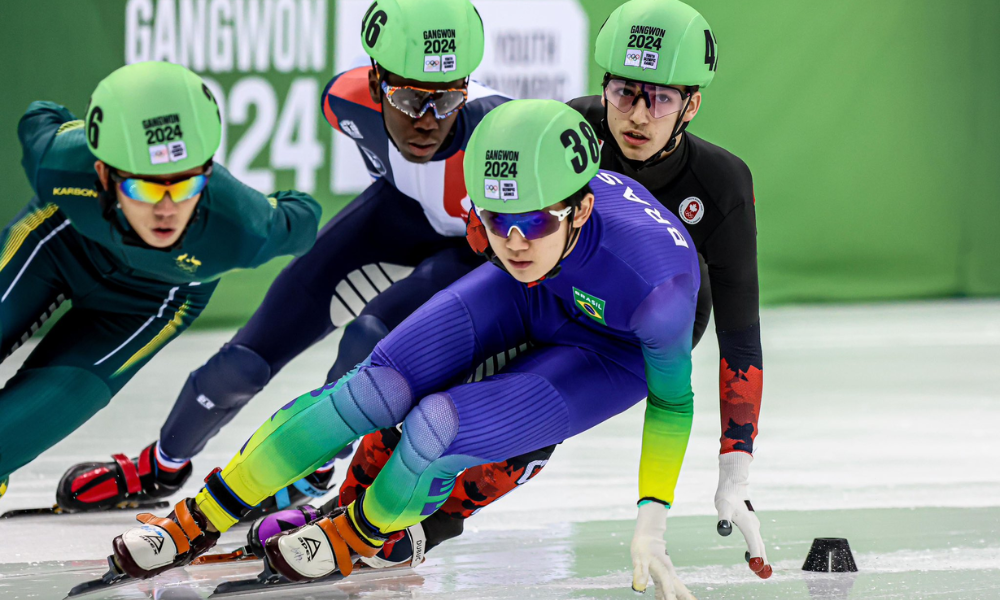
pixel 284 223
pixel 731 253
pixel 36 130
pixel 664 322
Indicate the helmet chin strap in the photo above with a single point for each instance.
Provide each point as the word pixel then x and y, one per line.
pixel 574 234
pixel 639 165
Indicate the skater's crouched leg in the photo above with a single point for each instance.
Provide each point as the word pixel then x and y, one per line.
pixel 298 438
pixel 41 406
pixel 504 415
pixel 302 436
pixel 360 337
pixel 420 475
pixel 211 397
pixel 419 479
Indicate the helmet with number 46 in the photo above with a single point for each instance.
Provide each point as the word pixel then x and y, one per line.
pixel 424 40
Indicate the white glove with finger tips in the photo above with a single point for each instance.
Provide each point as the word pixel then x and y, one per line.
pixel 649 555
pixel 732 500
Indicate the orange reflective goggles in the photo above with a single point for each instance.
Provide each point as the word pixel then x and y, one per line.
pixel 415 102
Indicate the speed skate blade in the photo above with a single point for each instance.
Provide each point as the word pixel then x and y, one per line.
pixel 55 510
pixel 113 578
pixel 270 581
pixel 240 554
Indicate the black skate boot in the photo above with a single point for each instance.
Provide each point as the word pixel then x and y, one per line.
pixel 101 486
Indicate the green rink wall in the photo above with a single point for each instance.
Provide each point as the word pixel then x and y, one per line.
pixel 870 127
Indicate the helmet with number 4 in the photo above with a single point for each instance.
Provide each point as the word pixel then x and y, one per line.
pixel 424 40
pixel 664 42
pixel 527 155
pixel 153 118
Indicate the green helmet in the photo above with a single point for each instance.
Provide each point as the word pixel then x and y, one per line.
pixel 526 155
pixel 664 42
pixel 425 40
pixel 153 118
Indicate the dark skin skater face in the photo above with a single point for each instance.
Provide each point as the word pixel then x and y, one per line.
pixel 417 139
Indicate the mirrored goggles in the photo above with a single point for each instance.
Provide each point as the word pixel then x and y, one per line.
pixel 415 102
pixel 531 225
pixel 661 100
pixel 152 192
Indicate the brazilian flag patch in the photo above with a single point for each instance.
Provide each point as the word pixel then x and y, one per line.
pixel 592 306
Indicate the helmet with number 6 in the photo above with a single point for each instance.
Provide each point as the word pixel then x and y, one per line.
pixel 546 152
pixel 424 40
pixel 153 118
pixel 663 42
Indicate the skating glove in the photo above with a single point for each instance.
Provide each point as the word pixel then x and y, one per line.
pixel 732 500
pixel 649 555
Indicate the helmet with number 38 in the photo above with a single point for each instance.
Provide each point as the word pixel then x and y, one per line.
pixel 527 155
pixel 153 118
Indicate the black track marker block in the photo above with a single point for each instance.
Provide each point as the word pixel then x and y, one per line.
pixel 830 555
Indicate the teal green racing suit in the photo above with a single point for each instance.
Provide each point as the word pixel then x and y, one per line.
pixel 128 299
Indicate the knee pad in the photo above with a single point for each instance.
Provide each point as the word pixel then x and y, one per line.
pixel 428 431
pixel 374 398
pixel 360 337
pixel 230 378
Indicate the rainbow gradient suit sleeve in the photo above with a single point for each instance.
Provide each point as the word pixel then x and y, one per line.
pixel 664 322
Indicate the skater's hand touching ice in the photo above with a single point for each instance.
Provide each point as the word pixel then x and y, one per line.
pixel 649 555
pixel 732 500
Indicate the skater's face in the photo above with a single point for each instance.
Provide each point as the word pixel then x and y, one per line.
pixel 161 224
pixel 417 139
pixel 638 132
pixel 529 260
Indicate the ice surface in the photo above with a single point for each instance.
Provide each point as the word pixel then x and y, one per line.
pixel 877 425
